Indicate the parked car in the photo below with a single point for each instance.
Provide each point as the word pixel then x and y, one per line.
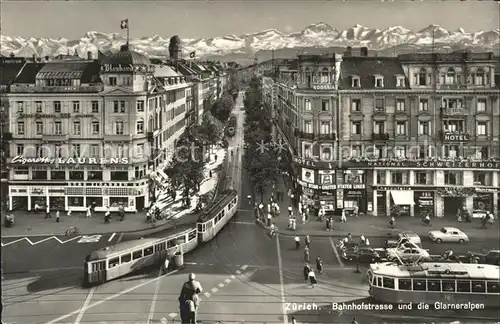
pixel 396 241
pixel 407 254
pixel 366 255
pixel 489 257
pixel 448 234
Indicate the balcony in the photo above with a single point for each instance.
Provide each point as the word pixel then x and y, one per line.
pixel 453 112
pixel 25 88
pixel 55 137
pixel 330 137
pixel 452 86
pixel 117 138
pixel 380 136
pixel 459 136
pixel 304 135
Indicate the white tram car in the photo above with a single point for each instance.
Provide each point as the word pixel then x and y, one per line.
pixel 184 234
pixel 455 283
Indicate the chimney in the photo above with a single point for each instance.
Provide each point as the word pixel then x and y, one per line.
pixel 47 58
pixel 90 57
pixel 364 51
pixel 348 51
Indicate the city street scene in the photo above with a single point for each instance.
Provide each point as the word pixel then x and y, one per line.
pixel 245 162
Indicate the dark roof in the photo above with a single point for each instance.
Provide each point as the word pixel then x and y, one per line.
pixel 9 72
pixel 91 73
pixel 62 70
pixel 184 69
pixel 126 57
pixel 29 72
pixel 367 67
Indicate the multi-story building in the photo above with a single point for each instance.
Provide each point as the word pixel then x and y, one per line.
pixel 89 131
pixel 416 131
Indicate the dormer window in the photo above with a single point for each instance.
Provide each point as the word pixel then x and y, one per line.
pixel 112 81
pixel 400 81
pixel 355 82
pixel 379 81
pixel 422 77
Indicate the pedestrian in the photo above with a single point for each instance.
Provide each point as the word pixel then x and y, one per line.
pixel 189 289
pixel 37 208
pixel 331 223
pixel 122 213
pixel 89 211
pixel 290 223
pixel 193 307
pixel 483 222
pixel 312 278
pixel 269 219
pixel 303 217
pixel 294 223
pixel 356 211
pixel 297 242
pixel 367 242
pixel 57 216
pixel 47 212
pixel 307 241
pixel 290 210
pixel 277 207
pixel 294 321
pixel 307 253
pixel 69 212
pixel 307 269
pixel 319 265
pixel 307 211
pixel 249 197
pixel 343 218
pixel 166 265
pixel 362 239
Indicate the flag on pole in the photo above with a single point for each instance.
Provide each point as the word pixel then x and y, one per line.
pixel 124 24
pixel 192 54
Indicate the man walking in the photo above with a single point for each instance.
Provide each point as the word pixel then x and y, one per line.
pixel 47 212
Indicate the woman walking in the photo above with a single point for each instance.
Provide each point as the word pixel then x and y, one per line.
pixel 307 269
pixel 319 265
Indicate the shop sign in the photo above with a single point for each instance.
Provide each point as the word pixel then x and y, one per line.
pixel 354 193
pixel 308 175
pixel 314 186
pixel 391 188
pixel 62 116
pixel 69 161
pixel 351 186
pixel 396 164
pixel 117 68
pixel 485 190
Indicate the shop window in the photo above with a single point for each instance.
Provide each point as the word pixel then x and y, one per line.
pixel 39 175
pixel 119 175
pixel 75 175
pixel 483 201
pixel 400 177
pixel 94 175
pixel 482 178
pixel 58 175
pixel 94 201
pixel 75 202
pixel 381 177
pixel 118 201
pixel 452 178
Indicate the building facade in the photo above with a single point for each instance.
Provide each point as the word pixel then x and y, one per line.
pixel 400 135
pixel 89 131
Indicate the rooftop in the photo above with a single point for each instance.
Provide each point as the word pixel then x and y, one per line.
pixel 126 57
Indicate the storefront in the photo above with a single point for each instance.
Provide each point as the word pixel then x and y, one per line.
pixel 394 200
pixel 483 200
pixel 424 203
pixel 317 187
pixel 354 195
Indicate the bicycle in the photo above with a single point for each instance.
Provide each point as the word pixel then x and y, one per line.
pixel 72 231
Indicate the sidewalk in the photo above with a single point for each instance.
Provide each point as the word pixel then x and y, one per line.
pixel 31 224
pixel 373 226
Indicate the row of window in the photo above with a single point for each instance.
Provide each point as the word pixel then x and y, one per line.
pixel 423 104
pixel 424 127
pixel 56 107
pixel 451 77
pixel 75 150
pixel 438 285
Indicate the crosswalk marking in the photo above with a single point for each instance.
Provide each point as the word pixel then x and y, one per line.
pixel 41 241
pixel 90 239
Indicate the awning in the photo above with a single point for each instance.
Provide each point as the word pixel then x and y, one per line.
pixel 402 197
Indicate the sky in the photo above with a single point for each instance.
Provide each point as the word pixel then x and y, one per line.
pixel 196 19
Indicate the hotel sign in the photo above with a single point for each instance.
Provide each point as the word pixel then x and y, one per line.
pixel 65 115
pixel 323 86
pixel 69 161
pixel 325 165
pixel 455 137
pixel 117 68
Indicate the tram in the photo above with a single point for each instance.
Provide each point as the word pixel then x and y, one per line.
pixel 184 235
pixel 448 283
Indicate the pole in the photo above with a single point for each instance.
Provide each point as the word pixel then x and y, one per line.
pixel 128 32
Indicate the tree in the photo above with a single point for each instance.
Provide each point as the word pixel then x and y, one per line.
pixel 222 107
pixel 263 170
pixel 186 174
pixel 209 131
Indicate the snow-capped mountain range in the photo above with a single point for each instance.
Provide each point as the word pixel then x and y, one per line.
pixel 318 35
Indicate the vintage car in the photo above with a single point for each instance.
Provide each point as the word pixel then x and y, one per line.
pixel 365 254
pixel 405 253
pixel 448 234
pixel 399 238
pixel 489 257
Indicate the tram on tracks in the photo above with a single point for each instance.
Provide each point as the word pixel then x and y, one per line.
pixel 184 235
pixel 447 283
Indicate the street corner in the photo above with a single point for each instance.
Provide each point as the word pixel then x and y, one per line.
pixel 323 247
